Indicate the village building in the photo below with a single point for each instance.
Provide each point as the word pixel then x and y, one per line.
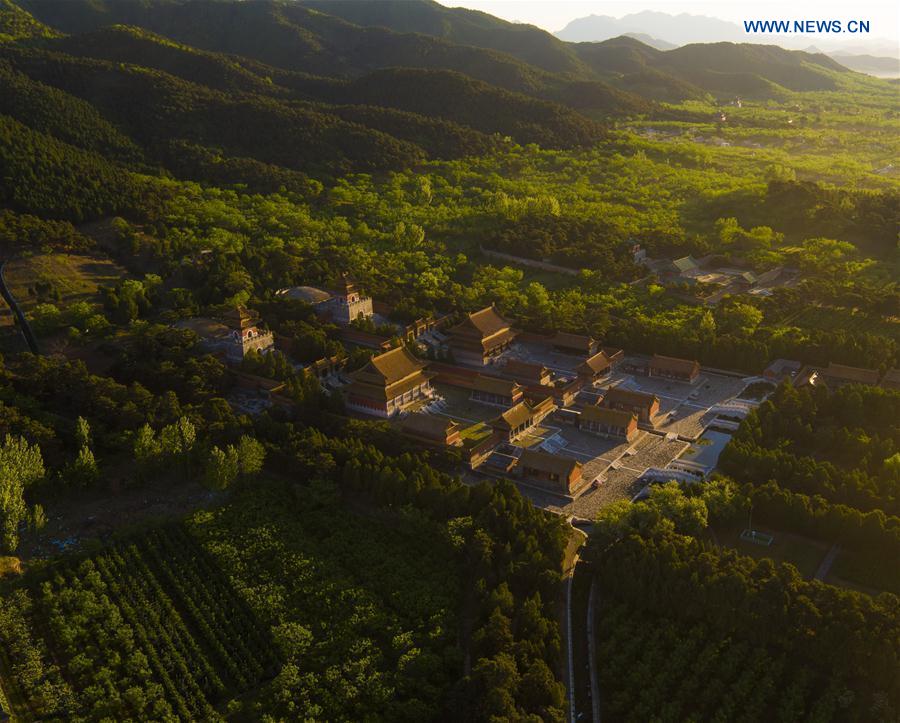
pixel 496 391
pixel 594 368
pixel 609 423
pixel 498 463
pixel 325 367
pixel 807 377
pixel 389 383
pixel 637 252
pixel 480 337
pixel 668 367
pixel 616 356
pixel 683 269
pixel 577 344
pixel 528 372
pixel 839 375
pixel 564 391
pixel 769 277
pixel 644 406
pixel 781 369
pixel 519 419
pixel 431 429
pixel 562 475
pixel 244 335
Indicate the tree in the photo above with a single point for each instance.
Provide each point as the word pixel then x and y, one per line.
pixel 82 432
pixel 83 470
pixel 541 692
pixel 21 465
pixel 739 318
pixel 222 467
pixel 251 456
pixel 38 518
pixel 145 445
pixel 497 679
pixel 688 513
pixel 177 439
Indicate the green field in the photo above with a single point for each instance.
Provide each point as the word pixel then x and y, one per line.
pixel 147 628
pixel 59 278
pixel 363 610
pixel 861 572
pixel 801 552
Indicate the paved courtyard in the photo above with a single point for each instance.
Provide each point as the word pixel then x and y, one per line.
pixel 684 409
pixel 615 465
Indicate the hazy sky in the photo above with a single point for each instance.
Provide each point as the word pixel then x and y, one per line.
pixel 553 15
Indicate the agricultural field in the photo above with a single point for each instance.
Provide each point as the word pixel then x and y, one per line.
pixel 148 628
pixel 362 612
pixel 60 278
pixel 280 612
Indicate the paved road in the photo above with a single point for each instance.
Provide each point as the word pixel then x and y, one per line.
pixel 570 662
pixel 23 324
pixel 592 653
pixel 826 564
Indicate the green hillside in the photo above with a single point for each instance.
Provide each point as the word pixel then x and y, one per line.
pixel 53 111
pixel 354 37
pixel 459 25
pixel 17 24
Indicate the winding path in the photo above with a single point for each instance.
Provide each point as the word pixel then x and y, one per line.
pixel 23 324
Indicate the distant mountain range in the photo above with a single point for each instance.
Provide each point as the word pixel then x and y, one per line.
pixel 880 67
pixel 663 31
pixel 677 29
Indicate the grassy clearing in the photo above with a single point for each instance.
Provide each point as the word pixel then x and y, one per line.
pixel 802 552
pixel 59 278
pixel 854 570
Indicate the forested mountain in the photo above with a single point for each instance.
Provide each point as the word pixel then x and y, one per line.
pixel 351 38
pixel 460 25
pixel 16 24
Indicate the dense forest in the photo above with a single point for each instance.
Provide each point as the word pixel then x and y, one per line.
pixel 165 161
pixel 767 642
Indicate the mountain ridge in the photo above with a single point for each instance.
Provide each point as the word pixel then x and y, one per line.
pixel 302 36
